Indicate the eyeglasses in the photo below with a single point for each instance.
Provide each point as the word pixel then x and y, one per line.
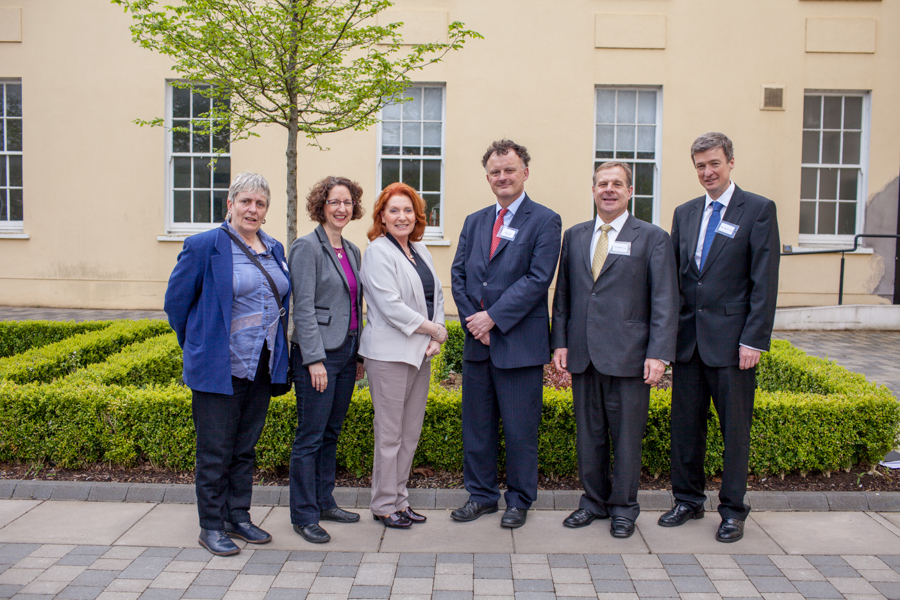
pixel 344 203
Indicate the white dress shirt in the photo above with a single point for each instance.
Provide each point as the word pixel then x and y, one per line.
pixel 724 199
pixel 617 224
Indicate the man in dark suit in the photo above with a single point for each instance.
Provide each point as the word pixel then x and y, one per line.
pixel 727 251
pixel 504 264
pixel 615 318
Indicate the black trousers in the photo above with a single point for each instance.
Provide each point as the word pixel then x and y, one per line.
pixel 732 392
pixel 228 427
pixel 610 414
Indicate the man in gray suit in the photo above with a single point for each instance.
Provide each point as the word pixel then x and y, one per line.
pixel 615 321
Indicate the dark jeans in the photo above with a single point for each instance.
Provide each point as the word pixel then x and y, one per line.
pixel 320 416
pixel 228 427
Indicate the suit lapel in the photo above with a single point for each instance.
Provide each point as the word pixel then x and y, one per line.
pixel 223 274
pixel 486 221
pixel 732 215
pixel 331 254
pixel 628 234
pixel 582 243
pixel 693 234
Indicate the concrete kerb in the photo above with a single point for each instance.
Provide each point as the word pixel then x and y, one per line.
pixel 430 499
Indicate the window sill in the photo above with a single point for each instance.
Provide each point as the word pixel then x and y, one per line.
pixel 173 237
pixel 435 242
pixel 806 248
pixel 13 235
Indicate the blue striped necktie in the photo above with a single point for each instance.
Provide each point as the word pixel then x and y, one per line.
pixel 714 219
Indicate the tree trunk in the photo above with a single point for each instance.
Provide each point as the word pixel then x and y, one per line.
pixel 291 158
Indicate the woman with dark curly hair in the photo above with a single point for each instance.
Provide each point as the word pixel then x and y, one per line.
pixel 327 317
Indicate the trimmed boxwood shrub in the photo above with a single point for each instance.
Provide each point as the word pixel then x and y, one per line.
pixel 19 336
pixel 156 360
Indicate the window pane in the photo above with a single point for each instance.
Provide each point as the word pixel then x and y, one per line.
pixel 15 170
pixel 3 171
pixel 202 176
pixel 808 180
pixel 390 172
pixel 606 106
pixel 606 136
pixel 182 172
pixel 222 174
pixel 182 206
pixel 181 103
pixel 646 139
pixel 647 107
pixel 2 136
pixel 411 175
pixel 432 209
pixel 13 100
pixel 643 179
pixel 643 208
pixel 390 138
pixel 831 147
pixel 3 214
pixel 200 104
pixel 412 138
pixel 832 112
pixel 202 212
pixel 851 148
pixel 220 205
pixel 391 112
pixel 812 109
pixel 221 103
pixel 431 176
pixel 624 139
pixel 810 147
pixel 221 140
pixel 433 97
pixel 849 184
pixel 807 217
pixel 15 205
pixel 14 135
pixel 181 140
pixel 827 218
pixel 412 110
pixel 625 107
pixel 200 142
pixel 853 112
pixel 828 184
pixel 846 218
pixel 431 139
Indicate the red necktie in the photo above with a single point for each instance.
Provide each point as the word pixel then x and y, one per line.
pixel 495 241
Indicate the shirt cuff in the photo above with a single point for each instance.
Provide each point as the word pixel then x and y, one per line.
pixel 751 347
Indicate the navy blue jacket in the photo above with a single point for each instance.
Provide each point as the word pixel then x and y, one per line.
pixel 198 304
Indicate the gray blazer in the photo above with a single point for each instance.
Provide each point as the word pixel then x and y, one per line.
pixel 321 295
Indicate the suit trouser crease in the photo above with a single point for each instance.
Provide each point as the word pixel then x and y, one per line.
pixel 228 428
pixel 515 396
pixel 320 416
pixel 399 396
pixel 732 391
pixel 610 415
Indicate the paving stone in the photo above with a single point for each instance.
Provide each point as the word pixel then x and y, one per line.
pixel 852 585
pixel 846 501
pixel 145 567
pixel 811 574
pixel 7 487
pixel 33 490
pixel 449 498
pixel 370 591
pixel 752 559
pixel 364 498
pixel 545 500
pixel 696 585
pixel 762 570
pixel 493 572
pixel 891 591
pixel 839 571
pixel 736 589
pixel 72 592
pixel 451 595
pixel 161 552
pixel 890 560
pixel 678 570
pixel 194 555
pixel 881 501
pixel 70 490
pixel 295 580
pixel 535 596
pixel 285 594
pixel 807 501
pixel 306 556
pixel 94 550
pixel 82 560
pixel 678 559
pixel 343 496
pixel 412 586
pixel 94 578
pixel 613 586
pixel 880 575
pixel 169 580
pixel 603 559
pixel 532 585
pixel 261 569
pixel 641 561
pixel 422 499
pixel 566 560
pixel 271 557
pixel 416 559
pixel 415 572
pixel 528 559
pixel 566 499
pixel 717 561
pixel 492 560
pixel 205 592
pixel 655 499
pixel 655 589
pixel 648 574
pixel 13 553
pixel 455 558
pixel 161 594
pixel 609 571
pixel 8 590
pixel 21 596
pixel 339 559
pixel 791 562
pixel 570 575
pixel 337 571
pixel 460 569
pixel 266 495
pixel 252 583
pixel 817 589
pixel 147 492
pixel 215 578
pixel 109 492
pixel 825 560
pixel 180 493
pixel 773 584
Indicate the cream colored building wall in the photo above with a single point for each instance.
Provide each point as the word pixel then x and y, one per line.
pixel 95 182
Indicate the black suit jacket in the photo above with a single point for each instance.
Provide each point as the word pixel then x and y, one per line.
pixel 629 314
pixel 732 302
pixel 512 285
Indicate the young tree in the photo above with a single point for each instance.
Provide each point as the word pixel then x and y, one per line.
pixel 311 66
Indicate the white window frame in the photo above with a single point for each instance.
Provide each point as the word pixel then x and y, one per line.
pixel 172 227
pixel 431 232
pixel 656 161
pixel 835 240
pixel 8 226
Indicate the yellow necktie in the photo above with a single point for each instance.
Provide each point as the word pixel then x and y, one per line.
pixel 600 251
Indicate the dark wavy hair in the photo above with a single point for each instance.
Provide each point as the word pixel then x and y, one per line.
pixel 504 147
pixel 318 194
pixel 378 229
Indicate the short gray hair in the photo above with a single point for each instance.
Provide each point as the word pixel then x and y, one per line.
pixel 710 140
pixel 249 182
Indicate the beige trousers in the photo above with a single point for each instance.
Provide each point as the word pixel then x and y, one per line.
pixel 399 394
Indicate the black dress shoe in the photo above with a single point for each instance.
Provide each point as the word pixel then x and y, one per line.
pixel 582 518
pixel 730 530
pixel 339 515
pixel 217 542
pixel 413 516
pixel 248 532
pixel 680 515
pixel 513 517
pixel 394 520
pixel 621 527
pixel 471 511
pixel 312 533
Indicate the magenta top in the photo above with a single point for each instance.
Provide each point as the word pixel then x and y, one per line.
pixel 351 281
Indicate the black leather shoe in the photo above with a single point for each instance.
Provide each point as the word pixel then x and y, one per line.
pixel 730 530
pixel 582 518
pixel 513 517
pixel 338 515
pixel 217 542
pixel 394 520
pixel 621 527
pixel 413 516
pixel 680 515
pixel 248 532
pixel 471 511
pixel 312 533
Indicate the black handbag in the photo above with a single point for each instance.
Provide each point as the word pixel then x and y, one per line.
pixel 278 389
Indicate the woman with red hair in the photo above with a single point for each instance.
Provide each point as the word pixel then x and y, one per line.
pixel 404 329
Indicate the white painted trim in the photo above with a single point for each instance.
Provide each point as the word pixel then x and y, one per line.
pixel 9 235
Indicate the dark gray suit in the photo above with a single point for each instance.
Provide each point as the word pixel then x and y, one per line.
pixel 609 328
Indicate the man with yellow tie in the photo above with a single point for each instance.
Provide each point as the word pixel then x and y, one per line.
pixel 615 321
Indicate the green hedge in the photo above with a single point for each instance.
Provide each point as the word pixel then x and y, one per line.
pixel 156 360
pixel 19 336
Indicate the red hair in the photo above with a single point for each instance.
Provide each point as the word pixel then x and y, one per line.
pixel 398 189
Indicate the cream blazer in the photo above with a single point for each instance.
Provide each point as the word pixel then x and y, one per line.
pixel 395 304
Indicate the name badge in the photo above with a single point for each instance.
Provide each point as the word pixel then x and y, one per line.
pixel 284 265
pixel 727 229
pixel 508 233
pixel 623 248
